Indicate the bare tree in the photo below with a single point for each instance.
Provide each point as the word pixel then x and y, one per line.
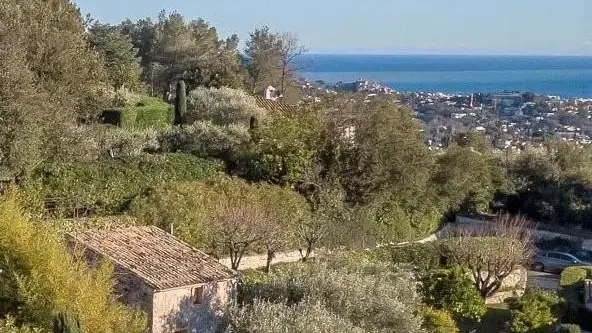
pixel 290 51
pixel 491 251
pixel 238 227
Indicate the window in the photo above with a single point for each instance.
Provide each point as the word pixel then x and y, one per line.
pixel 198 295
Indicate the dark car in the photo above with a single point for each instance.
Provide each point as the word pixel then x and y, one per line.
pixel 555 261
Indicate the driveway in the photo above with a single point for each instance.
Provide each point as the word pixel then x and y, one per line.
pixel 546 281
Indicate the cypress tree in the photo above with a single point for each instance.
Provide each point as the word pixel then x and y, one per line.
pixel 180 102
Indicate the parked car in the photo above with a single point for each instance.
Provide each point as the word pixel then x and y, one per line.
pixel 555 261
pixel 582 254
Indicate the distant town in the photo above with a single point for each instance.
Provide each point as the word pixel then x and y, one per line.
pixel 512 120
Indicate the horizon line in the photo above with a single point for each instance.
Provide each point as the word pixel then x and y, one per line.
pixel 444 54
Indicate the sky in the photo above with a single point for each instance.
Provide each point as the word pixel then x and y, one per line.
pixel 481 27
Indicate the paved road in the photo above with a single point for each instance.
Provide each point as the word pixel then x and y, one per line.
pixel 545 281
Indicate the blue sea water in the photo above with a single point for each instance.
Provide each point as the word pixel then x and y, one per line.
pixel 546 75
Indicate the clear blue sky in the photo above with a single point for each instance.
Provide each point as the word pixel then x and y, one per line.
pixel 558 27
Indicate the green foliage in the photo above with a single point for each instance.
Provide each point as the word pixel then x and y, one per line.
pixel 536 312
pixel 192 51
pixel 423 256
pixel 72 74
pixel 453 291
pixel 108 185
pixel 572 285
pixel 438 321
pixel 304 317
pixel 223 107
pixel 574 275
pixel 38 278
pixel 192 208
pixel 149 112
pixel 552 185
pixel 569 328
pixel 119 55
pixel 64 323
pixel 376 297
pixel 8 325
pixel 287 146
pixel 180 102
pixel 464 180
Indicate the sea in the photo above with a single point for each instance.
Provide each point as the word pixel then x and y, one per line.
pixel 564 76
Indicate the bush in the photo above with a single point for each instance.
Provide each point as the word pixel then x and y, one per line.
pixel 438 321
pixel 423 256
pixel 39 278
pixel 308 316
pixel 453 291
pixel 536 311
pixel 149 112
pixel 571 276
pixel 377 297
pixel 569 328
pixel 222 107
pixel 107 186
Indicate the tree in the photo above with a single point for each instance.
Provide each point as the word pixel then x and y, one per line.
pixel 463 179
pixel 193 52
pixel 237 227
pixel 50 35
pixel 119 55
pixel 271 60
pixel 24 113
pixel 491 252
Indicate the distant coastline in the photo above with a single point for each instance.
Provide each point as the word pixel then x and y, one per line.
pixel 565 76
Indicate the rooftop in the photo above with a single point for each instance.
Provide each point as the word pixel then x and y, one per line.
pixel 274 106
pixel 155 256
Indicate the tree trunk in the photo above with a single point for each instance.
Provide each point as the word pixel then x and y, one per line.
pixel 270 256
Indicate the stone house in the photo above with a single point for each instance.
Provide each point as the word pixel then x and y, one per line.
pixel 181 289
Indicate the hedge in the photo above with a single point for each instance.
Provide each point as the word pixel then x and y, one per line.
pixel 149 112
pixel 70 189
pixel 569 328
pixel 572 284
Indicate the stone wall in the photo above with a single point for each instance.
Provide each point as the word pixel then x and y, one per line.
pixel 176 309
pixel 513 286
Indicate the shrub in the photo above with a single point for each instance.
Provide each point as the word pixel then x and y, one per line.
pixel 571 276
pixel 453 291
pixel 9 326
pixel 536 311
pixel 222 106
pixel 374 296
pixel 308 316
pixel 438 321
pixel 39 278
pixel 149 112
pixel 569 328
pixel 572 287
pixel 107 186
pixel 423 256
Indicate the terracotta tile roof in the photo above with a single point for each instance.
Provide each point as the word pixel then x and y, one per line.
pixel 155 256
pixel 274 106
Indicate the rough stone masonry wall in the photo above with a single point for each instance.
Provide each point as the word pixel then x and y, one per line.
pixel 174 310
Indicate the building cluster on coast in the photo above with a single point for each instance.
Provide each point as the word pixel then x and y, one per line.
pixel 512 120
